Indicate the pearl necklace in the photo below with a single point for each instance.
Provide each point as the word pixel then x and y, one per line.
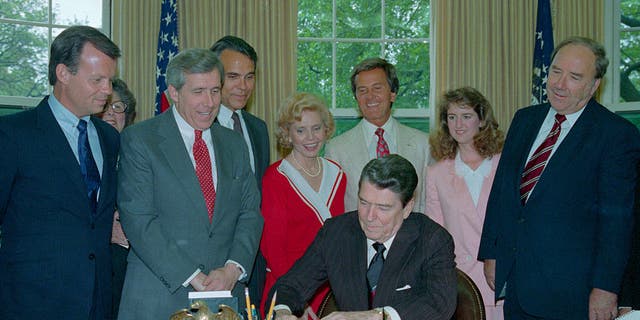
pixel 305 170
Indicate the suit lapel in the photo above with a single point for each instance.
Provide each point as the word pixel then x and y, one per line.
pixel 572 145
pixel 406 143
pixel 251 130
pixel 224 169
pixel 56 142
pixel 399 256
pixel 173 148
pixel 107 159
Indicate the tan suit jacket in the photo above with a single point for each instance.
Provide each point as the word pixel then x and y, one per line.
pixel 350 151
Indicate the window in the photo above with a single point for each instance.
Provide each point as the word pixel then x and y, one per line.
pixel 27 28
pixel 333 36
pixel 622 34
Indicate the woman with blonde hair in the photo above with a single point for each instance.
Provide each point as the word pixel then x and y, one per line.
pixel 300 191
pixel 466 145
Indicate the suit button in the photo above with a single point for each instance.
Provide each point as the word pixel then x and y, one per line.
pixel 92 256
pixel 521 220
pixel 201 267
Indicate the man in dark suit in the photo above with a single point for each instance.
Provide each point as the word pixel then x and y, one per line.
pixel 58 188
pixel 417 278
pixel 556 244
pixel 239 60
pixel 630 292
pixel 187 197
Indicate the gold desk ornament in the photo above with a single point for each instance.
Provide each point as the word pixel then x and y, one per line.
pixel 203 313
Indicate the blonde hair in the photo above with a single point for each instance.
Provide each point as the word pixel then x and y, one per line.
pixel 291 111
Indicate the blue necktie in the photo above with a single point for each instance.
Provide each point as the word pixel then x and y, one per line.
pixel 90 173
pixel 375 269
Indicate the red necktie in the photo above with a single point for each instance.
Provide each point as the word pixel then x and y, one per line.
pixel 382 149
pixel 203 171
pixel 538 161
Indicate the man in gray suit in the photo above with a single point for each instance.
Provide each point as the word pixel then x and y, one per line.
pixel 194 224
pixel 375 84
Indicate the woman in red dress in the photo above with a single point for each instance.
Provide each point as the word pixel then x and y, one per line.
pixel 300 191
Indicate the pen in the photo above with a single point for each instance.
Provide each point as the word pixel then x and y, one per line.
pixel 248 301
pixel 254 313
pixel 273 303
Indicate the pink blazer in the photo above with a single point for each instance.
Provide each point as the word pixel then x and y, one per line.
pixel 449 203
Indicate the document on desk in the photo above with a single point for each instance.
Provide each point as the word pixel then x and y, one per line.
pixel 209 294
pixel 631 315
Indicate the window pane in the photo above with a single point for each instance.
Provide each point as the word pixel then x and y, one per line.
pixel 630 13
pixel 629 66
pixel 87 12
pixel 412 66
pixel 314 18
pixel 26 10
pixel 407 19
pixel 314 69
pixel 358 19
pixel 23 60
pixel 348 55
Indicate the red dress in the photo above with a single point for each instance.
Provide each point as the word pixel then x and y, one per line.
pixel 293 213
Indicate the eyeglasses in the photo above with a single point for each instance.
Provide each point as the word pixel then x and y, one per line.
pixel 117 107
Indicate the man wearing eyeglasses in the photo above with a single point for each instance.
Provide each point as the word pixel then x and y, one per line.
pixel 58 188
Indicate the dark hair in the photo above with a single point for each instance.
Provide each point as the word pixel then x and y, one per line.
pixel 192 61
pixel 602 62
pixel 120 87
pixel 392 172
pixel 488 141
pixel 235 44
pixel 375 63
pixel 68 45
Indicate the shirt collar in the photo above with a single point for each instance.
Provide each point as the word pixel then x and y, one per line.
pixel 185 128
pixel 370 130
pixel 63 115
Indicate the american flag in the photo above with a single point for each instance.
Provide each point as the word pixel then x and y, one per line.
pixel 167 48
pixel 542 52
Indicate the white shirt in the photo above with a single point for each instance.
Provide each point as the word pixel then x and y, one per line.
pixel 473 178
pixel 371 139
pixel 224 118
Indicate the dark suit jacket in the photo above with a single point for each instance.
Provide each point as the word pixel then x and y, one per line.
pixel 572 234
pixel 630 292
pixel 418 279
pixel 54 253
pixel 164 215
pixel 259 137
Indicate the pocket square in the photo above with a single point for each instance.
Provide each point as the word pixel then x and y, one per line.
pixel 406 287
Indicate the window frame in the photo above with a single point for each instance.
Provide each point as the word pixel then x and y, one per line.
pixel 352 111
pixel 610 93
pixel 21 101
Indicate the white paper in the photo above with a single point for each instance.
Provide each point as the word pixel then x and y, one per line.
pixel 209 294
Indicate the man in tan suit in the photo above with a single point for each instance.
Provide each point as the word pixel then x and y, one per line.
pixel 374 84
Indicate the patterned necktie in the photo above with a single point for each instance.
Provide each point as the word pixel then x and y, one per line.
pixel 237 127
pixel 204 172
pixel 538 161
pixel 382 149
pixel 375 268
pixel 90 173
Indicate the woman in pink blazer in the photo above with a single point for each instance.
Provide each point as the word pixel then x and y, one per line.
pixel 466 146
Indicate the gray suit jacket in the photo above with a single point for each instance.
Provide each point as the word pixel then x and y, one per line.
pixel 165 218
pixel 350 151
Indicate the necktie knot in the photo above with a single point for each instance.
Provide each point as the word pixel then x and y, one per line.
pixel 237 127
pixel 198 134
pixel 82 126
pixel 382 148
pixel 560 118
pixel 380 248
pixel 380 133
